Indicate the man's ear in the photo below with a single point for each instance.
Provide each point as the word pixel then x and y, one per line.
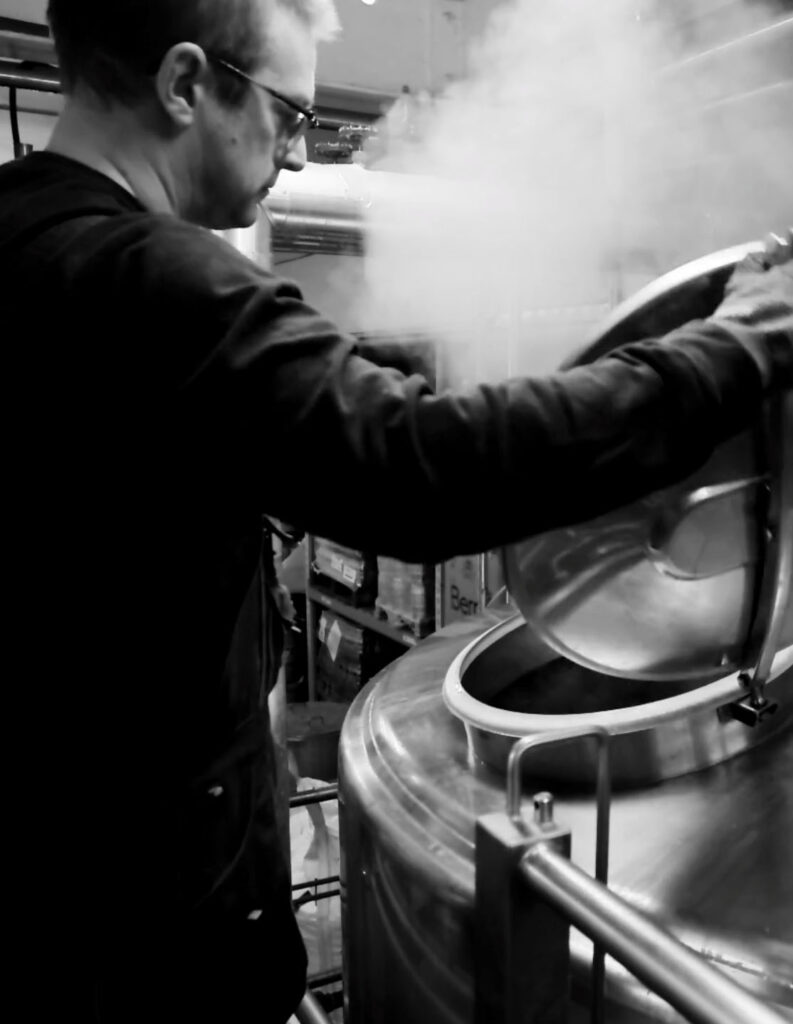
pixel 181 80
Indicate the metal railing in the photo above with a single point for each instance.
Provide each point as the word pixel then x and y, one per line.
pixel 310 1010
pixel 701 993
pixel 314 796
pixel 528 893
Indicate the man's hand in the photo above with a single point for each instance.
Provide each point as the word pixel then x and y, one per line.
pixel 760 291
pixel 757 308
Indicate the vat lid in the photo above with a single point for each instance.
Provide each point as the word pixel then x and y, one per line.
pixel 682 583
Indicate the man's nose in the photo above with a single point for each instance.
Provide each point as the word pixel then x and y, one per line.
pixel 296 156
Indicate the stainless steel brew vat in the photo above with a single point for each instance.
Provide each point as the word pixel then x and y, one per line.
pixel 701 822
pixel 707 853
pixel 702 816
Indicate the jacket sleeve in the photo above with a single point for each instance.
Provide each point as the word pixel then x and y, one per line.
pixel 374 458
pixel 277 401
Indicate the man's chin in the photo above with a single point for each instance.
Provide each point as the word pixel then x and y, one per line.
pixel 247 218
pixel 228 220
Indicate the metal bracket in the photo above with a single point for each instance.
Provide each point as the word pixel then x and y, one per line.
pixel 521 942
pixel 754 707
pixel 775 584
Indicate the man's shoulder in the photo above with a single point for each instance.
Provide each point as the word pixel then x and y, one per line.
pixel 45 190
pixel 89 236
pixel 53 178
pixel 167 250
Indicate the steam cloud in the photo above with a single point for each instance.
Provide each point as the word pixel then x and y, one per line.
pixel 591 147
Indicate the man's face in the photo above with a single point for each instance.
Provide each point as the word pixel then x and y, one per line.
pixel 242 149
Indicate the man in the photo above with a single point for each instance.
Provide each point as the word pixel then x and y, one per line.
pixel 163 393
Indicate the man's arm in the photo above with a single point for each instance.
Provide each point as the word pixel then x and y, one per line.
pixel 273 401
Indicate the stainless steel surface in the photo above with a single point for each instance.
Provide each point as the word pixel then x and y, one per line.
pixel 508 683
pixel 667 588
pixel 700 514
pixel 668 967
pixel 706 854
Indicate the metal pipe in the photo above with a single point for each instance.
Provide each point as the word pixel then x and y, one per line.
pixel 22 76
pixel 314 796
pixel 313 897
pixel 672 970
pixel 314 882
pixel 323 978
pixel 315 218
pixel 310 1011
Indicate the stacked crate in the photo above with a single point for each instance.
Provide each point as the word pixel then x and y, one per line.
pixel 348 654
pixel 406 595
pixel 344 572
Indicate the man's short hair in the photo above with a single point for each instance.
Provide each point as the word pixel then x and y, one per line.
pixel 113 46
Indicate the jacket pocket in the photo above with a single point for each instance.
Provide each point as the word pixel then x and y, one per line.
pixel 216 816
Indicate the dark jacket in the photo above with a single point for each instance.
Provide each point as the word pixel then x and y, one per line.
pixel 162 392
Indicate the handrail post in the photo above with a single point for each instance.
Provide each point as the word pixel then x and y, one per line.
pixel 521 944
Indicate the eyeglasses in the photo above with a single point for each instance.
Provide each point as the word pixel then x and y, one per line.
pixel 304 117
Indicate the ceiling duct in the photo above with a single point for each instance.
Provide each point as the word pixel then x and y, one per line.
pixel 327 208
pixel 320 209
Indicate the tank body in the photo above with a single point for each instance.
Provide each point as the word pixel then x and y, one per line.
pixel 707 854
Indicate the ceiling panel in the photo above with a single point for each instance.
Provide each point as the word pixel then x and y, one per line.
pixel 27 10
pixel 384 47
